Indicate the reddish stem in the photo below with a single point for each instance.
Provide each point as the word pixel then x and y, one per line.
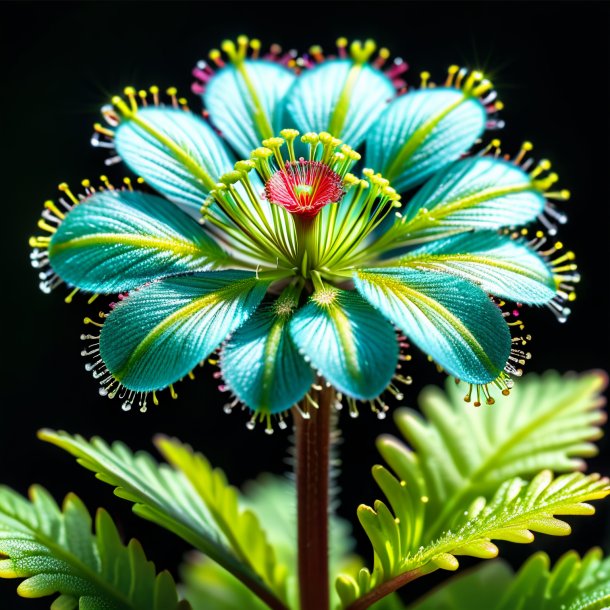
pixel 313 442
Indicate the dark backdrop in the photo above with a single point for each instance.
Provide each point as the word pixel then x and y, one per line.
pixel 61 61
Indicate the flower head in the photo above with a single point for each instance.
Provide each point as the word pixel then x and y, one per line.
pixel 298 263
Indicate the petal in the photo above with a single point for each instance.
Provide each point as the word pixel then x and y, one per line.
pixel 350 344
pixel 262 365
pixel 243 102
pixel 448 318
pixel 421 132
pixel 174 151
pixel 160 332
pixel 498 264
pixel 118 240
pixel 478 193
pixel 340 96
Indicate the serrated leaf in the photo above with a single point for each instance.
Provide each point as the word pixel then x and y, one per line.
pixel 119 240
pixel 55 551
pixel 240 527
pixel 273 500
pixel 461 487
pixel 547 422
pixel 574 583
pixel 166 496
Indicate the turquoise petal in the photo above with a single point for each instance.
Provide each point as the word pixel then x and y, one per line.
pixel 448 318
pixel 421 132
pixel 349 343
pixel 243 102
pixel 498 264
pixel 160 332
pixel 176 152
pixel 262 365
pixel 475 193
pixel 341 97
pixel 118 240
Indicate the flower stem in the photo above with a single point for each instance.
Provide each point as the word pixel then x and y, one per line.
pixel 313 443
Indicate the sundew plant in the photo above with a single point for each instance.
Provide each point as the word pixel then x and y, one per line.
pixel 316 226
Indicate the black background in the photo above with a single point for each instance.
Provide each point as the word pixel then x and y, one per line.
pixel 61 61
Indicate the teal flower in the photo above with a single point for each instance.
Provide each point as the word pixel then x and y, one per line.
pixel 297 263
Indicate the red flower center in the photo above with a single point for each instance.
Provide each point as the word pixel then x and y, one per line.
pixel 304 187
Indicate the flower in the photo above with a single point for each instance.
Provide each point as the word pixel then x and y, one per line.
pixel 294 262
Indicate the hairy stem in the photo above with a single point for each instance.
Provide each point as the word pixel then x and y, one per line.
pixel 312 453
pixel 387 587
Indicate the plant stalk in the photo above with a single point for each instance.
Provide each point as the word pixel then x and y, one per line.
pixel 312 455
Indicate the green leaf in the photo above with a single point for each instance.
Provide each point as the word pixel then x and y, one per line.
pixel 574 583
pixel 240 527
pixel 515 511
pixel 547 422
pixel 119 240
pixel 56 552
pixel 273 500
pixel 479 587
pixel 176 152
pixel 208 586
pixel 448 318
pixel 198 514
pixel 498 264
pixel 162 331
pixel 462 485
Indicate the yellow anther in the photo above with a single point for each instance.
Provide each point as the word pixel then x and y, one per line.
pixel 171 91
pixel 545 164
pixel 274 142
pixel 142 93
pixel 289 134
pixel 572 296
pixel 453 69
pixel 384 53
pixel 140 180
pixel 129 91
pixel 310 138
pixel 154 89
pixel 315 49
pixel 214 54
pixel 424 79
pixel 182 101
pixel 499 105
pixel 341 42
pixel 245 166
pixel 231 177
pixel 495 143
pixel 527 146
pixel 242 40
pixel 539 234
pixel 255 44
pixel 50 205
pixel 565 194
pixel 228 46
pixel 558 245
pixel 262 152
